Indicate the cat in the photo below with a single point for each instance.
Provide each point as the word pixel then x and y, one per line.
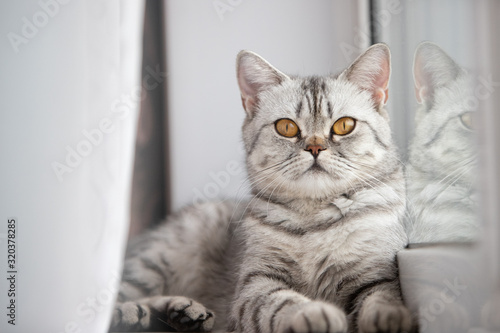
pixel 314 250
pixel 442 155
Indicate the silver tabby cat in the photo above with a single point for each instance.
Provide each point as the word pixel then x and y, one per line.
pixel 314 250
pixel 442 156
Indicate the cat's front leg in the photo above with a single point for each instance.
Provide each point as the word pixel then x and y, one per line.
pixel 154 313
pixel 312 317
pixel 268 305
pixel 383 311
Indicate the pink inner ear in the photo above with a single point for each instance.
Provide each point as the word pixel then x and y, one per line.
pixel 380 96
pixel 245 86
pixel 422 80
pixel 248 103
pixel 248 89
pixel 382 78
pixel 380 83
pixel 380 92
pixel 421 94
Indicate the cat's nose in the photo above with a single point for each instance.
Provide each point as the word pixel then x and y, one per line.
pixel 315 149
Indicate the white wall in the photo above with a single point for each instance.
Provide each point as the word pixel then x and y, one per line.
pixel 204 107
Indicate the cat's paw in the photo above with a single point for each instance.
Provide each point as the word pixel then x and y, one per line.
pixel 316 317
pixel 130 316
pixel 383 317
pixel 178 312
pixel 186 315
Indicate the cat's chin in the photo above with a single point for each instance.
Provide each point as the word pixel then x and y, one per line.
pixel 316 184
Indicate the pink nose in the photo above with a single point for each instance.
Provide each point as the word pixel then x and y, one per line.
pixel 315 149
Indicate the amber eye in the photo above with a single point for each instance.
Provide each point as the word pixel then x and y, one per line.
pixel 287 127
pixel 344 126
pixel 467 120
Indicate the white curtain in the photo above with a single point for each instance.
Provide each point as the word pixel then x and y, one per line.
pixel 70 89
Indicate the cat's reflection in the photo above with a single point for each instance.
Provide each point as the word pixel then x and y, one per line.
pixel 442 156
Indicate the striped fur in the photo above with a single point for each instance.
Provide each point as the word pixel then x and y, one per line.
pixel 314 250
pixel 442 156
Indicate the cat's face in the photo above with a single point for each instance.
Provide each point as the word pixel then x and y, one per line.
pixel 315 137
pixel 444 143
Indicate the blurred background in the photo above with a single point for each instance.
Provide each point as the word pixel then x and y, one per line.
pixel 116 113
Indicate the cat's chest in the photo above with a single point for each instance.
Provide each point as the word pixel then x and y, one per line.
pixel 325 259
pixel 341 244
pixel 333 234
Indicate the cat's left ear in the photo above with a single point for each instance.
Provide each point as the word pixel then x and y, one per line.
pixel 371 72
pixel 255 75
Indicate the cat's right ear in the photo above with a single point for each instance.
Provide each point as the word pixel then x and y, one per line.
pixel 432 68
pixel 255 75
pixel 371 72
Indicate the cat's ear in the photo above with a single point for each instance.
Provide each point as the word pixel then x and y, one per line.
pixel 255 75
pixel 432 68
pixel 371 72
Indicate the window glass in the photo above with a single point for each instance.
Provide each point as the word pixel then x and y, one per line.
pixel 435 95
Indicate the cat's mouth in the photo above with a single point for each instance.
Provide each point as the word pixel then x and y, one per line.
pixel 315 167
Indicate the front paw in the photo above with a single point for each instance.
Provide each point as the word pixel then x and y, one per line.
pixel 186 315
pixel 162 313
pixel 315 317
pixel 130 316
pixel 383 317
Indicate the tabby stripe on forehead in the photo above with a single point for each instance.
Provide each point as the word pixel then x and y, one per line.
pixel 330 111
pixel 316 97
pixel 320 104
pixel 298 110
pixel 309 103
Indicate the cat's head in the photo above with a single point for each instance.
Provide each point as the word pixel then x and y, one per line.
pixel 443 146
pixel 316 137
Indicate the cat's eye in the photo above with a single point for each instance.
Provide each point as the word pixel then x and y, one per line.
pixel 344 126
pixel 467 120
pixel 287 127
